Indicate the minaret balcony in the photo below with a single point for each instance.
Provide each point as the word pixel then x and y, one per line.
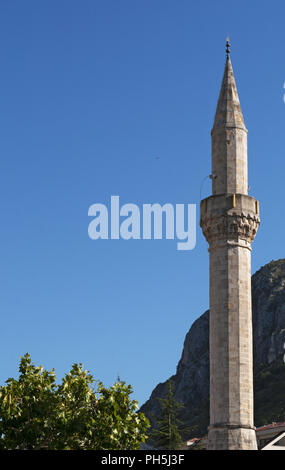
pixel 229 217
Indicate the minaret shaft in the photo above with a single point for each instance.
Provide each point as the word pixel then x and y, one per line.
pixel 229 220
pixel 229 161
pixel 231 411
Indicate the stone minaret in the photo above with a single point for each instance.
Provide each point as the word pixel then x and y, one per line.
pixel 229 220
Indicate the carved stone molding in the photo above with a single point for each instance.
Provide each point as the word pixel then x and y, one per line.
pixel 230 226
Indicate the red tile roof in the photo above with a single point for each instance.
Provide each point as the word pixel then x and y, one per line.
pixel 194 439
pixel 270 426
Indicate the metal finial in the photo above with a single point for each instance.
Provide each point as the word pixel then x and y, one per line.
pixel 228 46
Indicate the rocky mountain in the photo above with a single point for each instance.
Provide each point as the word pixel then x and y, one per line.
pixel 191 381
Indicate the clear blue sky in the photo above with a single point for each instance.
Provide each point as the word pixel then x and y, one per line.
pixel 92 93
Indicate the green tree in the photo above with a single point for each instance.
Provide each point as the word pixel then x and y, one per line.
pixel 36 413
pixel 168 433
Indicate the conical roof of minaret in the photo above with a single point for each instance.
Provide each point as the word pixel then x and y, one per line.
pixel 228 113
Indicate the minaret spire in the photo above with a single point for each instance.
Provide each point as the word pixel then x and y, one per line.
pixel 228 112
pixel 229 138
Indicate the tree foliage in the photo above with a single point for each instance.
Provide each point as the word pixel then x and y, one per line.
pixel 36 413
pixel 168 433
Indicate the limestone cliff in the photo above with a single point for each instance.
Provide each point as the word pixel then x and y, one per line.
pixel 191 381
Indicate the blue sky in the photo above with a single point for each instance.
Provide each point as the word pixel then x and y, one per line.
pixel 91 94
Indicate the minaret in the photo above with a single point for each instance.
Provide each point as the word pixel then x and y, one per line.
pixel 229 220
